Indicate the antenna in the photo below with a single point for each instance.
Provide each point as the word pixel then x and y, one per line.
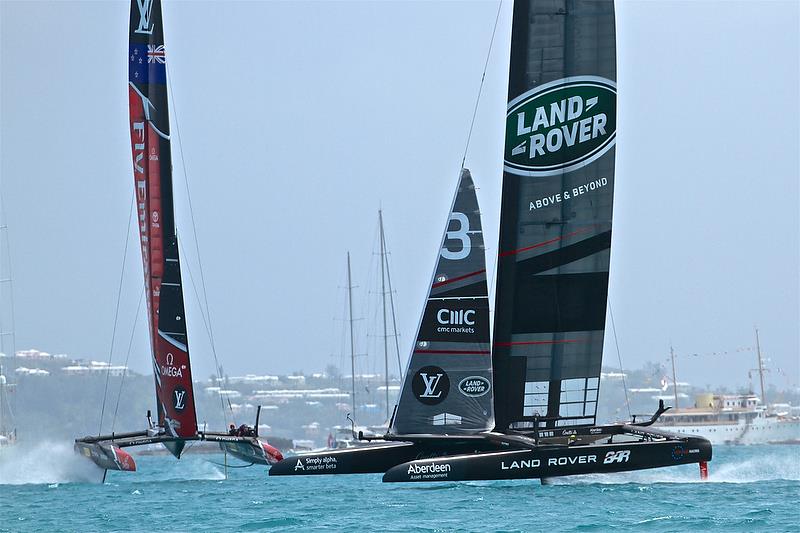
pixel 760 369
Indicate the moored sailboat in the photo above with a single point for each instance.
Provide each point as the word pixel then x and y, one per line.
pixel 176 421
pixel 8 427
pixel 8 430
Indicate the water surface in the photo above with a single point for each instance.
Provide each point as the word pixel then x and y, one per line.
pixel 754 488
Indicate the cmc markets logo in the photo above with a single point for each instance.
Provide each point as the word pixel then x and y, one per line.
pixel 430 385
pixel 455 320
pixel 474 386
pixel 456 317
pixel 560 126
pixel 179 398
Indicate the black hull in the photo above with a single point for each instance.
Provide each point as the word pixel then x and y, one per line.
pixel 376 457
pixel 554 461
pixel 493 455
pixel 371 459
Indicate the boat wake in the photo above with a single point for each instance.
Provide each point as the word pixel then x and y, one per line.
pixel 187 468
pixel 45 463
pixel 766 467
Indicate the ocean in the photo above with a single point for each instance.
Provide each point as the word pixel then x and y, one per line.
pixel 48 488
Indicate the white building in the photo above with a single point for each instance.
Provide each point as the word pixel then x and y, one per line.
pixel 94 368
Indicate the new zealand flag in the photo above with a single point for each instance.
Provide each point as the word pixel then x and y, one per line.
pixel 147 64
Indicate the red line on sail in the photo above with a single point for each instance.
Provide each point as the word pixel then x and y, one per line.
pixel 565 341
pixel 545 243
pixel 455 352
pixel 458 278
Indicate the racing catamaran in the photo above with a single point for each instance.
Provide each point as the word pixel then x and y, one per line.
pixel 176 423
pixel 528 408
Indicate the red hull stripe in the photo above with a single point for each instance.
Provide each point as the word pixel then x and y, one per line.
pixel 455 352
pixel 545 243
pixel 459 278
pixel 565 341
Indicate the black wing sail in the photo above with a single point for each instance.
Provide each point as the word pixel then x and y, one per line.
pixel 555 225
pixel 447 386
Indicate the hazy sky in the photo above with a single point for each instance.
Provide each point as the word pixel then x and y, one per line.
pixel 298 120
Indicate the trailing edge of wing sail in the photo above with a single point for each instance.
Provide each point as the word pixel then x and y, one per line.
pixel 448 383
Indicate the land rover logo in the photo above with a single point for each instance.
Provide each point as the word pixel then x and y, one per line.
pixel 560 126
pixel 430 385
pixel 474 386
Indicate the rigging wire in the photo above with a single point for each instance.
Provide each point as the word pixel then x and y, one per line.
pixel 207 323
pixel 491 292
pixel 474 116
pixel 127 356
pixel 619 358
pixel 340 333
pixel 191 210
pixel 480 88
pixel 394 316
pixel 12 331
pixel 208 330
pixel 116 312
pixel 370 310
pixel 9 280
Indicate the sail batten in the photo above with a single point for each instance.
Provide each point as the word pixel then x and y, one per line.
pixel 152 169
pixel 555 224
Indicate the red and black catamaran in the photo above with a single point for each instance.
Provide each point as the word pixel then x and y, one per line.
pixel 176 422
pixel 527 407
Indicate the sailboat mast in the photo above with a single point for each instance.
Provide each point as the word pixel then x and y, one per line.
pixel 2 393
pixel 7 293
pixel 352 335
pixel 394 316
pixel 760 369
pixel 383 299
pixel 6 286
pixel 674 379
